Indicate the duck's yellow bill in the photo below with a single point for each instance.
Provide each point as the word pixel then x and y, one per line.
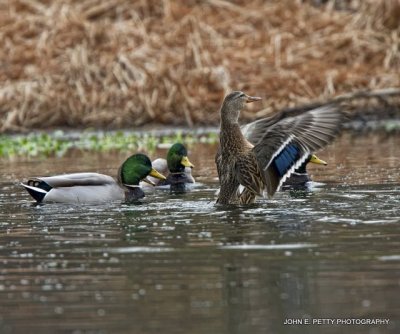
pixel 156 174
pixel 185 162
pixel 315 160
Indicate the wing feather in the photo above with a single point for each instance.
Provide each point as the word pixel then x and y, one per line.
pixel 286 144
pixel 249 174
pixel 74 179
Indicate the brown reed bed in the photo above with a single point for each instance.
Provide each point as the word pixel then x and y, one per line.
pixel 117 63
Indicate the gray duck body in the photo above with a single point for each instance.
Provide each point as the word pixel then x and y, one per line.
pixel 94 187
pixel 77 188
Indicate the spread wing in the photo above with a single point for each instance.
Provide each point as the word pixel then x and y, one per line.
pixel 254 131
pixel 285 145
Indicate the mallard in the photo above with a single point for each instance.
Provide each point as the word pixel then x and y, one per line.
pixel 177 167
pixel 300 179
pixel 281 145
pixel 95 187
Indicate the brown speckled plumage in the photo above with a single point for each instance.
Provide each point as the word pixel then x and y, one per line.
pixel 236 163
pixel 281 145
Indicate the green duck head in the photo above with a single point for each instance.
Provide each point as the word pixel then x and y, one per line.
pixel 135 169
pixel 313 159
pixel 177 159
pixel 233 103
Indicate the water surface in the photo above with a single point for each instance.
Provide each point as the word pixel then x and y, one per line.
pixel 180 264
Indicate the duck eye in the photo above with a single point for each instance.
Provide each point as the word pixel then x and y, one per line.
pixel 241 95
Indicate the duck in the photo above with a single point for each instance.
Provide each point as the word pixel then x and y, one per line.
pixel 278 145
pixel 95 187
pixel 177 167
pixel 299 179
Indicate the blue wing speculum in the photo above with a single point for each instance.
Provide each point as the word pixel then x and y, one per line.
pixel 285 160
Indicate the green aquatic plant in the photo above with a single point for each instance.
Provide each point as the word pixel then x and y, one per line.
pixel 392 126
pixel 33 145
pixel 58 142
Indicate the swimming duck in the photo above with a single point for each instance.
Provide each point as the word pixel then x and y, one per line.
pixel 95 187
pixel 299 179
pixel 177 165
pixel 279 146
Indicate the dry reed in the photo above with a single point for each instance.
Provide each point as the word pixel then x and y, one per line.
pixel 120 63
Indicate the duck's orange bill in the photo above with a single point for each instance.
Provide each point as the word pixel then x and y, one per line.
pixel 250 99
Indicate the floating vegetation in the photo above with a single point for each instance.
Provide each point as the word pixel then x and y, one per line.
pixel 58 143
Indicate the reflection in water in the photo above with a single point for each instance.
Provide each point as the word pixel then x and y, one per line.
pixel 179 264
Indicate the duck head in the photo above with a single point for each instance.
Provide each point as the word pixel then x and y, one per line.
pixel 233 103
pixel 135 169
pixel 177 159
pixel 313 159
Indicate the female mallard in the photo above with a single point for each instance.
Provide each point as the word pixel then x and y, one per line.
pixel 281 145
pixel 178 167
pixel 94 187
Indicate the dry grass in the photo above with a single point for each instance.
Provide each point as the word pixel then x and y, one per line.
pixel 126 63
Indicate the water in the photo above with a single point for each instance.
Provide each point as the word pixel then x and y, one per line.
pixel 179 264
